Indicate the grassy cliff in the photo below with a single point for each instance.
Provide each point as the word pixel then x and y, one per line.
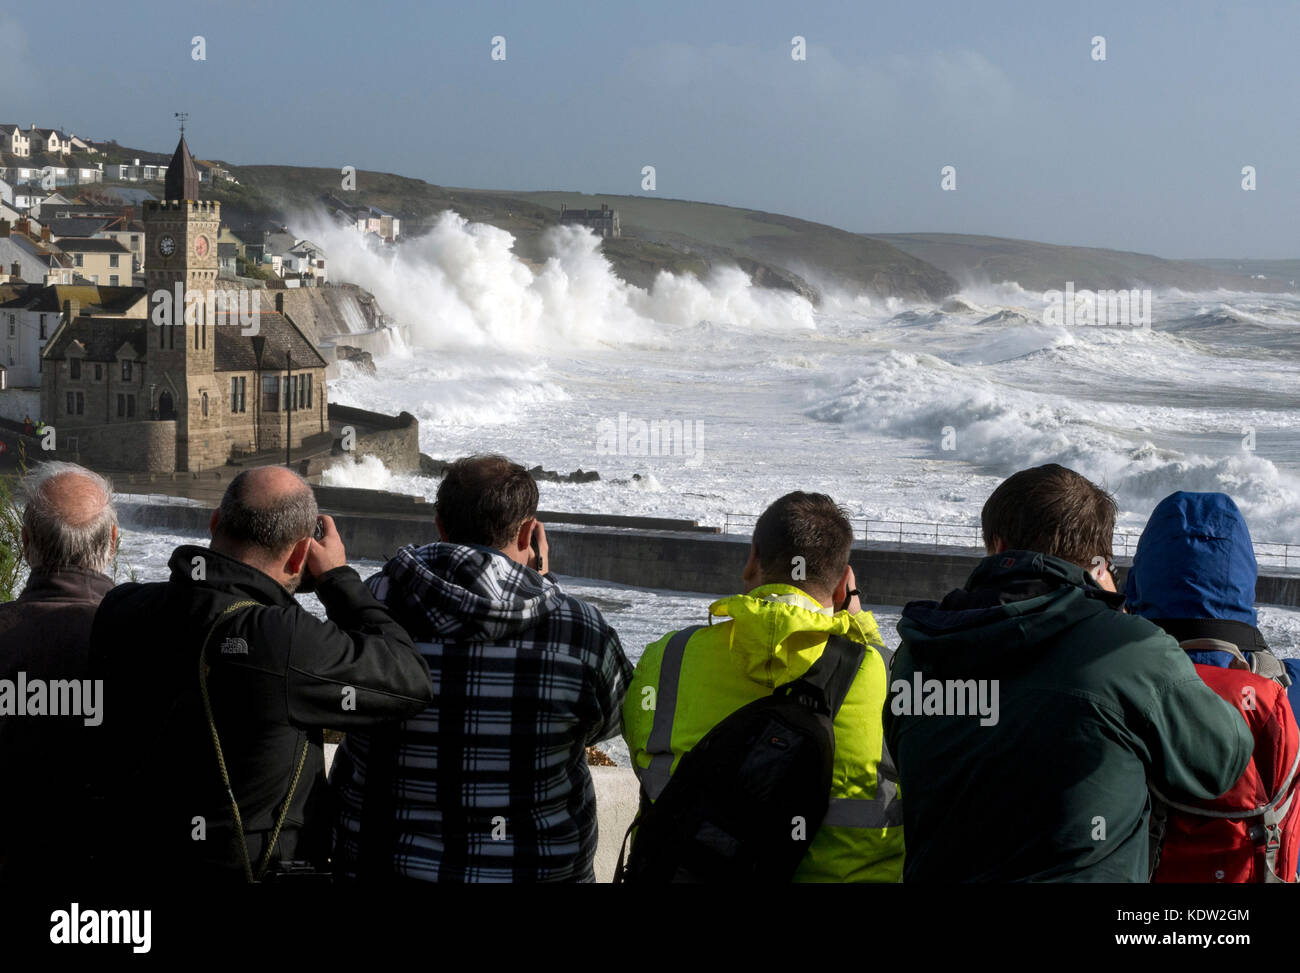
pixel 1046 266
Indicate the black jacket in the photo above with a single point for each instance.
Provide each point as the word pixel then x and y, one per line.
pixel 45 636
pixel 279 676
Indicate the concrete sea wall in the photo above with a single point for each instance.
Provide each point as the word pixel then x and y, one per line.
pixel 887 573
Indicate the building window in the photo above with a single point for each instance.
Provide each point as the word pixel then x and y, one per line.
pixel 71 403
pixel 234 395
pixel 76 403
pixel 81 404
pixel 204 398
pixel 112 259
pixel 130 406
pixel 121 405
pixel 135 241
pixel 112 280
pixel 286 394
pixel 126 370
pixel 270 393
pixel 79 260
pixel 74 368
pixel 99 372
pixel 309 391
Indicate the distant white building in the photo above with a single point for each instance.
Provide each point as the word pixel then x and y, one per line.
pixel 136 171
pixel 13 141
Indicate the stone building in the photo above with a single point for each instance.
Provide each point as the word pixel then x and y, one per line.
pixel 604 222
pixel 198 380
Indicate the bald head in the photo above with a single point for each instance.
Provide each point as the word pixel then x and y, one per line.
pixel 68 520
pixel 265 512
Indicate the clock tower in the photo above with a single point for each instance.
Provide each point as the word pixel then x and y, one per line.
pixel 180 272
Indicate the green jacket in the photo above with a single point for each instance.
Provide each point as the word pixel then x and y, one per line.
pixel 772 636
pixel 1091 705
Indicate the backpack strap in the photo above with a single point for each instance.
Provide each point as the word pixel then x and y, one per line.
pixel 1268 834
pixel 249 874
pixel 659 744
pixel 831 675
pixel 1265 663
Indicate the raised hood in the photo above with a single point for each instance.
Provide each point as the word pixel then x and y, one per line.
pixel 1194 560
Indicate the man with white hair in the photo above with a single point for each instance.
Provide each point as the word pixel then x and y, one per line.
pixel 69 537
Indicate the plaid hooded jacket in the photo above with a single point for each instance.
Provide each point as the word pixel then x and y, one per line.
pixel 490 783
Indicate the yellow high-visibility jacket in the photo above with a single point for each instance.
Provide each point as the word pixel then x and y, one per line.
pixel 772 636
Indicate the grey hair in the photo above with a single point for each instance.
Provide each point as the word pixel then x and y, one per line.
pixel 272 528
pixel 53 544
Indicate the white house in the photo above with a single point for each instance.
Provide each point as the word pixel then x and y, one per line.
pixel 50 140
pixel 13 141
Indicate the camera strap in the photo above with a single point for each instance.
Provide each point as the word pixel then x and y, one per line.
pixel 204 668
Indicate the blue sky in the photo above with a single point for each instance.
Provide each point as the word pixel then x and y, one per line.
pixel 1142 151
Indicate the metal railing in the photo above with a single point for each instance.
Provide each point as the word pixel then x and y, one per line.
pixel 970 537
pixel 155 499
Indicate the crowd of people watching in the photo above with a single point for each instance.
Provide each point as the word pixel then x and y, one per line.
pixel 1140 728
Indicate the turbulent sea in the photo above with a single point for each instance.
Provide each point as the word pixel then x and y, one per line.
pixel 901 411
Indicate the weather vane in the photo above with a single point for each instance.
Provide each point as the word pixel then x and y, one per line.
pixel 182 115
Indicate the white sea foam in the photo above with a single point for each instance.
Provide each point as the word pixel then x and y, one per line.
pixel 853 398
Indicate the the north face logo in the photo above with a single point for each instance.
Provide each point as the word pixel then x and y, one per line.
pixel 234 647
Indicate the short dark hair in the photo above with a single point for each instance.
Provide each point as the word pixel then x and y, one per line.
pixel 274 527
pixel 484 498
pixel 803 525
pixel 1051 510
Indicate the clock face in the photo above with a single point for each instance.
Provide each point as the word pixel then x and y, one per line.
pixel 201 247
pixel 167 245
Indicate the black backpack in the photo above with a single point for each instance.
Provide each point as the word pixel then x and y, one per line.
pixel 745 802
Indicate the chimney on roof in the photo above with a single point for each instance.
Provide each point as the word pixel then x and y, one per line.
pixel 23 226
pixel 128 214
pixel 45 234
pixel 71 310
pixel 279 301
pixel 16 270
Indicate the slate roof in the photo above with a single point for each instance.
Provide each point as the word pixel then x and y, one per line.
pixel 182 179
pixel 76 226
pixel 101 337
pixel 234 351
pixel 74 244
pixel 93 298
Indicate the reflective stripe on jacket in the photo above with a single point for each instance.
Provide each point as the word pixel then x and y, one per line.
pixel 771 636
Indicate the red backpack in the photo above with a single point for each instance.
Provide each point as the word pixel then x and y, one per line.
pixel 1251 833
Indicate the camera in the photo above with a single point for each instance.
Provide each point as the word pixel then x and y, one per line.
pixel 308 583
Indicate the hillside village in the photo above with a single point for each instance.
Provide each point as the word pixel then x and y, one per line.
pixel 97 256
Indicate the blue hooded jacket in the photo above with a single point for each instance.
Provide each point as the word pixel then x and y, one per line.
pixel 1195 560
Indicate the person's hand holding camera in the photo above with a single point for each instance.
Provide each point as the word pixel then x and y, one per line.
pixel 326 551
pixel 541 561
